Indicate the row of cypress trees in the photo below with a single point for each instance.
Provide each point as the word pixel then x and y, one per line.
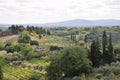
pixel 102 54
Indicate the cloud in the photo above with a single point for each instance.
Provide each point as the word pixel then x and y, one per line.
pixel 42 11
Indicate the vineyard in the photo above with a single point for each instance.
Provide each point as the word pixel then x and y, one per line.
pixel 19 73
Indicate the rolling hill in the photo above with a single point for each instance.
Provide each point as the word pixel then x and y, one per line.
pixel 76 22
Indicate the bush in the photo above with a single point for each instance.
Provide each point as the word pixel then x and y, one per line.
pixel 27 52
pixel 32 54
pixel 70 62
pixel 40 36
pixel 10 49
pixel 11 58
pixel 113 68
pixel 52 48
pixel 24 37
pixel 98 76
pixel 8 44
pixel 34 43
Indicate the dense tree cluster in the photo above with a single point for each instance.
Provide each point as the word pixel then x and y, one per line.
pixel 15 29
pixel 73 37
pixel 70 62
pixel 98 56
pixel 38 30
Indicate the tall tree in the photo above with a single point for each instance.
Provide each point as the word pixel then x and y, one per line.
pixel 104 45
pixel 85 39
pixel 110 49
pixel 95 55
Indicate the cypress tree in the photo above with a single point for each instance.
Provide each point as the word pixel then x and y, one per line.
pixel 95 53
pixel 104 46
pixel 71 37
pixel 85 39
pixel 110 49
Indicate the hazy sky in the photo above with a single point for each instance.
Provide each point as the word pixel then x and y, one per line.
pixel 43 11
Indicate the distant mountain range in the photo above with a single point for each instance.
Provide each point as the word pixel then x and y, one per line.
pixel 75 23
pixel 82 22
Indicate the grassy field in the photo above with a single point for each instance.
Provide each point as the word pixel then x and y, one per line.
pixel 10 38
pixel 52 40
pixel 37 61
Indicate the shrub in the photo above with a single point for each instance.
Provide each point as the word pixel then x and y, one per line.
pixel 8 44
pixel 34 43
pixel 113 68
pixel 98 76
pixel 40 36
pixel 10 49
pixel 27 52
pixel 52 48
pixel 11 58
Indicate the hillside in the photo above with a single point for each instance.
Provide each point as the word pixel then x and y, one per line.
pixel 25 52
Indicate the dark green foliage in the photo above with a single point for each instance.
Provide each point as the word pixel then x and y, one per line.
pixel 117 53
pixel 108 56
pixel 24 37
pixel 10 49
pixel 28 52
pixel 38 30
pixel 85 40
pixel 11 58
pixel 1 73
pixel 104 45
pixel 48 32
pixel 34 42
pixel 110 48
pixel 96 55
pixel 8 44
pixel 52 48
pixel 112 68
pixel 40 36
pixel 18 47
pixel 54 70
pixel 72 61
pixel 73 37
pixel 15 29
pixel 1 46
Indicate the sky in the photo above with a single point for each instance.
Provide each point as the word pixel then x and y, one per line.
pixel 45 11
